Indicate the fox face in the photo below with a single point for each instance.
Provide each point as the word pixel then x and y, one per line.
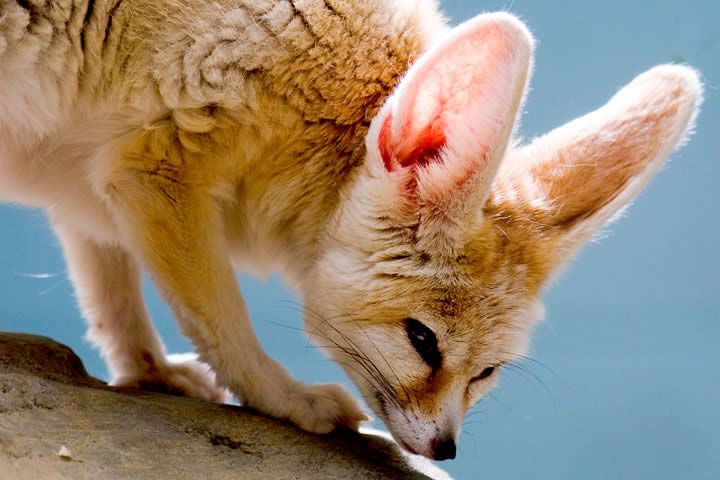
pixel 434 263
pixel 423 354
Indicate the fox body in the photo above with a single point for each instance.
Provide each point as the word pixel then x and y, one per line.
pixel 363 148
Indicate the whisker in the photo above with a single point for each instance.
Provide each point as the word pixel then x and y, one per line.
pixel 402 385
pixel 514 367
pixel 468 415
pixel 352 349
pixel 525 358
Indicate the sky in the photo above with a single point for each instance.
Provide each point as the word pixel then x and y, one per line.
pixel 624 380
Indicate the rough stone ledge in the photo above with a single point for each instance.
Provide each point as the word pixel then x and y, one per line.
pixel 48 401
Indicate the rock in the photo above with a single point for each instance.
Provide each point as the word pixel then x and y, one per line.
pixel 56 422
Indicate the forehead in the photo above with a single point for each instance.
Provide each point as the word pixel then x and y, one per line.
pixel 484 312
pixel 481 285
pixel 479 282
pixel 480 300
pixel 486 280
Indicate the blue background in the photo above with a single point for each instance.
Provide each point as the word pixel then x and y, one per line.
pixel 627 384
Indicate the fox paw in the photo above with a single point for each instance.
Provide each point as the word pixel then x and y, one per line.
pixel 320 408
pixel 181 374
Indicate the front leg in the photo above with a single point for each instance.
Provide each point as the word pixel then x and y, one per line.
pixel 108 288
pixel 161 195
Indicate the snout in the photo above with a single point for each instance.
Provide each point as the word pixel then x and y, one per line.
pixel 439 448
pixel 443 448
pixel 433 437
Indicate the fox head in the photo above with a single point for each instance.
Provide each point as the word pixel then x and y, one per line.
pixel 432 268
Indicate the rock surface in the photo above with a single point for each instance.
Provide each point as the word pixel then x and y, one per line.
pixel 56 422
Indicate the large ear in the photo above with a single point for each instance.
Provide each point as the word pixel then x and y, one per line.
pixel 446 128
pixel 570 182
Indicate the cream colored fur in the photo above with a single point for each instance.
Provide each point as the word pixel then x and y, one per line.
pixel 193 138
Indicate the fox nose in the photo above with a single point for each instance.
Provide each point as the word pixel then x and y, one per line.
pixel 444 449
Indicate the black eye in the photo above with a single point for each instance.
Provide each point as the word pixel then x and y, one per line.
pixel 484 374
pixel 424 341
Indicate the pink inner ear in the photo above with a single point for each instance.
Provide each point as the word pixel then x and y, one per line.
pixel 426 149
pixel 456 96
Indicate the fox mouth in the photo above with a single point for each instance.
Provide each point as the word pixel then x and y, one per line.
pixel 407 447
pixel 383 413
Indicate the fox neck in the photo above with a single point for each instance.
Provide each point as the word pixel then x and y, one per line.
pixel 289 211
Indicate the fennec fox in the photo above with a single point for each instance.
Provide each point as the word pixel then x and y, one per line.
pixel 363 148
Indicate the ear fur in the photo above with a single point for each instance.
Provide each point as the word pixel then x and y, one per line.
pixel 451 117
pixel 436 144
pixel 576 178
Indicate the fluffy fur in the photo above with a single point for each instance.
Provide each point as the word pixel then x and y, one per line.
pixel 194 137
